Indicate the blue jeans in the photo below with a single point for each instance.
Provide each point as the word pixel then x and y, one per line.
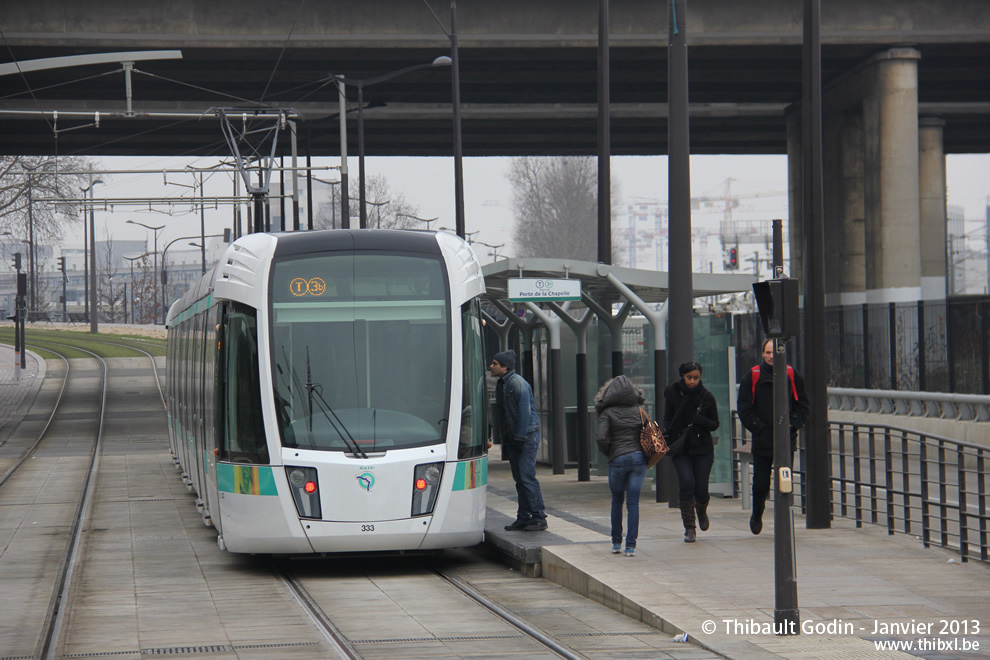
pixel 522 462
pixel 625 480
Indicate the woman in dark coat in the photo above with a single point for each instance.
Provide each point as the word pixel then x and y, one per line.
pixel 690 408
pixel 619 423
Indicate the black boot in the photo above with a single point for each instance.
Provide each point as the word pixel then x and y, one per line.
pixel 687 517
pixel 702 509
pixel 756 520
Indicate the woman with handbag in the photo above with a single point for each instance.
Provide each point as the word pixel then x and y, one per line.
pixel 690 415
pixel 617 406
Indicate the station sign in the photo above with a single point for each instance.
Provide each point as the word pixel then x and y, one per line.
pixel 523 289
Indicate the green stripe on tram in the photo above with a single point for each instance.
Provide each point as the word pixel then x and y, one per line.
pixel 246 479
pixel 471 474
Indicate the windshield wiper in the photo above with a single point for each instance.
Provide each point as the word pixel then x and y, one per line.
pixel 335 423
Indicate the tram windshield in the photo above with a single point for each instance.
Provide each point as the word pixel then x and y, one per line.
pixel 360 351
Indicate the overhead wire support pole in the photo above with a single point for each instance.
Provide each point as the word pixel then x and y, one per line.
pixel 604 140
pixel 817 436
pixel 680 301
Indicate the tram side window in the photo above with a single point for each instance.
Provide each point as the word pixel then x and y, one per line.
pixel 474 406
pixel 245 430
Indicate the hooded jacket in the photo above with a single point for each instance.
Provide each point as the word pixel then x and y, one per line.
pixel 617 406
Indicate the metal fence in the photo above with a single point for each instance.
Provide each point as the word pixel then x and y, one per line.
pixel 920 346
pixel 915 483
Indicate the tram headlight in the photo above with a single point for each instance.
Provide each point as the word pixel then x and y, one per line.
pixel 426 485
pixel 305 489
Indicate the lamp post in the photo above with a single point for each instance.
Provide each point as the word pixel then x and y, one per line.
pixel 379 206
pixel 443 60
pixel 89 258
pixel 156 230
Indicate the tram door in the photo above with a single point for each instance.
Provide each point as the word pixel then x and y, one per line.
pixel 215 429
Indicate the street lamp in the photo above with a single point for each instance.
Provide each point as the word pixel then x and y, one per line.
pixel 89 258
pixel 165 272
pixel 379 206
pixel 156 230
pixel 132 260
pixel 414 217
pixel 443 60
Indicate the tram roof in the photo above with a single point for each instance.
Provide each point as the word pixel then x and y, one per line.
pixel 650 285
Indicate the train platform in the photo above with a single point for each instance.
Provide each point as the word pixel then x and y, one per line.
pixel 859 590
pixel 17 393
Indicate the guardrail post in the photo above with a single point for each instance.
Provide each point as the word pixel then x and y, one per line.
pixel 943 508
pixel 923 469
pixel 906 483
pixel 889 481
pixel 963 532
pixel 981 493
pixel 857 472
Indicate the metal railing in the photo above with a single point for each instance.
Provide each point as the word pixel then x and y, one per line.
pixel 908 481
pixel 960 407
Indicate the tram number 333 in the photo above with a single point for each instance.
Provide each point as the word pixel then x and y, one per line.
pixel 367 528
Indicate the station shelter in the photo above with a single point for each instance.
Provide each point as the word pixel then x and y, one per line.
pixel 617 326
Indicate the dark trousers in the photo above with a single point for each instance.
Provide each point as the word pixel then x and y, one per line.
pixel 762 469
pixel 693 471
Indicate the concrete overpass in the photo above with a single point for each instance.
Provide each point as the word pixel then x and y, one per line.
pixel 528 71
pixel 906 81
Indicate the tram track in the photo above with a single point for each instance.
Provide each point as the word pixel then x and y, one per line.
pixel 48 639
pixel 69 527
pixel 347 642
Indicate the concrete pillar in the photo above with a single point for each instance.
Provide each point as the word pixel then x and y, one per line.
pixel 833 206
pixel 852 275
pixel 893 223
pixel 931 174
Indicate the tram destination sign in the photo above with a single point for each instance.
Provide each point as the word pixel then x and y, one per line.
pixel 522 289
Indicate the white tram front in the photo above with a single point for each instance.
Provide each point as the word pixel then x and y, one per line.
pixel 326 393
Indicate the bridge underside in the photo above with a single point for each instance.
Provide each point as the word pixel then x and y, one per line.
pixel 515 100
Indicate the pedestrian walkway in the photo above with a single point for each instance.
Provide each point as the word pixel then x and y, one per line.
pixel 16 394
pixel 856 587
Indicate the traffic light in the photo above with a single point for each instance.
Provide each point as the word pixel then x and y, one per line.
pixel 17 261
pixel 61 264
pixel 733 258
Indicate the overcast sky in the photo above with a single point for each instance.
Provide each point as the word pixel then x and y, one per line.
pixel 427 183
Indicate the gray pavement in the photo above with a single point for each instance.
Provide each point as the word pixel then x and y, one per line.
pixel 855 586
pixel 16 395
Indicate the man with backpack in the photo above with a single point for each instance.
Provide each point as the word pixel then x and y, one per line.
pixel 755 406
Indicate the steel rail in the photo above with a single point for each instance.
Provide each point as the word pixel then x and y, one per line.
pixel 510 618
pixel 53 627
pixel 34 445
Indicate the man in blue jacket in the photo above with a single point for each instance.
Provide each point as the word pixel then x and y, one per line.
pixel 520 427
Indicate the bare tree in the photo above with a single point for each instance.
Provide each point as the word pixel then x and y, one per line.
pixel 144 289
pixel 110 289
pixel 386 208
pixel 41 175
pixel 555 202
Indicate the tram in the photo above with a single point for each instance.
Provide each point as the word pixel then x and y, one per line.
pixel 326 393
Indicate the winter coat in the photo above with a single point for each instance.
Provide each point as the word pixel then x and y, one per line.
pixel 517 407
pixel 617 406
pixel 756 414
pixel 686 407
